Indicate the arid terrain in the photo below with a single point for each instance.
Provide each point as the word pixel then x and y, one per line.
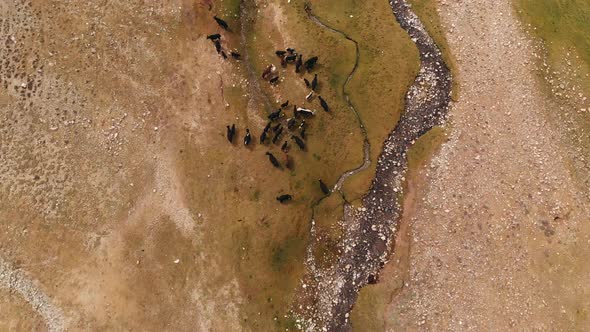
pixel 124 207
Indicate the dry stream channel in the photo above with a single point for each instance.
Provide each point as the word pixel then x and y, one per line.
pixel 369 230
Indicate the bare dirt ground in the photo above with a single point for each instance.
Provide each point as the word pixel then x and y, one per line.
pixel 500 229
pixel 97 108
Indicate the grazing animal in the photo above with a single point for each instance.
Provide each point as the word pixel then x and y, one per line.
pixel 288 162
pixel 284 198
pixel 299 142
pixel 285 147
pixel 280 53
pixel 274 80
pixel 269 70
pixel 285 104
pixel 290 58
pixel 275 115
pixel 230 133
pixel 305 111
pixel 217 46
pixel 309 96
pixel 298 63
pixel 310 63
pixel 277 135
pixel 235 55
pixel 267 127
pixel 307 83
pixel 275 128
pixel 221 23
pixel 324 187
pixel 324 104
pixel 291 122
pixel 262 137
pixel 273 160
pixel 290 50
pixel 302 133
pixel 223 55
pixel 248 137
pixel 214 36
pixel 314 83
pixel 303 125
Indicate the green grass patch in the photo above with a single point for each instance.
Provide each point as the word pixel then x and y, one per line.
pixel 427 11
pixel 420 153
pixel 564 28
pixel 562 24
pixel 387 66
pixel 284 251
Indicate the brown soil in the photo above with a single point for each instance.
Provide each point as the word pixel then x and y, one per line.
pixel 98 100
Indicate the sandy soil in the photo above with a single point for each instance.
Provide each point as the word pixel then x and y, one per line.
pixel 96 104
pixel 501 229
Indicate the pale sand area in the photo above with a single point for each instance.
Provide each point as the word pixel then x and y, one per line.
pixel 501 229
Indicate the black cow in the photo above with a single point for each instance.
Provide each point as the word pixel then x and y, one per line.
pixel 290 50
pixel 310 63
pixel 274 115
pixel 285 104
pixel 247 138
pixel 324 187
pixel 291 122
pixel 235 55
pixel 285 147
pixel 298 63
pixel 214 36
pixel 299 142
pixel 267 127
pixel 324 104
pixel 275 128
pixel 277 135
pixel 217 46
pixel 273 160
pixel 221 23
pixel 230 133
pixel 302 133
pixel 307 83
pixel 280 53
pixel 303 125
pixel 290 58
pixel 223 55
pixel 304 111
pixel 274 80
pixel 289 162
pixel 263 137
pixel 314 82
pixel 284 198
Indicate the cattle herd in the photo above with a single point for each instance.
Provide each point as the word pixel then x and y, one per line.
pixel 279 124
